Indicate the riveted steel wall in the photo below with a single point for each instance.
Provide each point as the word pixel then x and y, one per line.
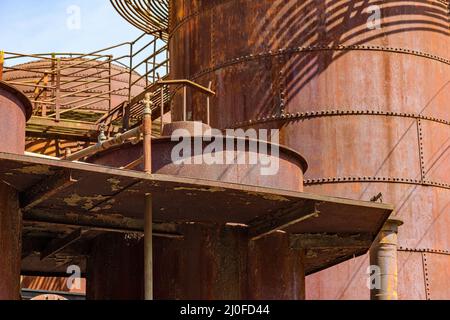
pixel 361 89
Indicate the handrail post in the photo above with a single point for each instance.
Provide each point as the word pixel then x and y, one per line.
pixel 44 106
pixel 58 89
pixel 2 62
pixel 154 60
pixel 162 110
pixel 36 94
pixel 146 74
pixel 126 107
pixel 53 68
pixel 110 82
pixel 130 78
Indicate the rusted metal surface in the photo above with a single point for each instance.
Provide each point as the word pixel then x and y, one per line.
pixel 115 268
pixel 437 287
pixel 81 78
pixel 103 195
pixel 211 263
pixel 15 110
pixel 10 239
pixel 351 99
pixel 291 164
pixel 279 275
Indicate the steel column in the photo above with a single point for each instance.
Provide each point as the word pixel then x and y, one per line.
pixel 148 215
pixel 384 256
pixel 10 242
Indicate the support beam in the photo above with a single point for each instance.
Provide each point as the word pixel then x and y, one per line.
pixel 328 241
pixel 275 271
pixel 383 257
pixel 60 244
pixel 159 230
pixel 10 243
pixel 282 219
pixel 46 189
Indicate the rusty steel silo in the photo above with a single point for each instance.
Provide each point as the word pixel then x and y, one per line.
pixel 360 88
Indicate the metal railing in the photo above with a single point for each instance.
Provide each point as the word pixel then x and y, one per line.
pixel 71 82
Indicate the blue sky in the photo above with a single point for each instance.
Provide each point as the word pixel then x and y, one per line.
pixel 31 26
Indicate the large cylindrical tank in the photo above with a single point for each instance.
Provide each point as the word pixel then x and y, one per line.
pixel 360 88
pixel 15 110
pixel 288 167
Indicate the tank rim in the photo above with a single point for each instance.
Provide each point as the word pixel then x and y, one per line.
pixel 20 96
pixel 287 150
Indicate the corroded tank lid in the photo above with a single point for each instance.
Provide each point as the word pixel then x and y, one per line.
pixel 194 128
pixel 26 103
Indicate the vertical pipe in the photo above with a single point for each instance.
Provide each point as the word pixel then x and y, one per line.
pixel 148 133
pixel 146 74
pixel 53 75
pixel 130 79
pixel 148 214
pixel 384 256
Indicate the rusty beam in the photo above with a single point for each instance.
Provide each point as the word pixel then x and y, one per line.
pixel 160 230
pixel 46 189
pixel 330 241
pixel 60 244
pixel 282 219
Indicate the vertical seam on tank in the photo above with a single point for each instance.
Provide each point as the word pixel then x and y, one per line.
pixel 421 150
pixel 213 41
pixel 425 275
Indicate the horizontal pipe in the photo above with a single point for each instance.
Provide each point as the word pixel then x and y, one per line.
pixel 101 146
